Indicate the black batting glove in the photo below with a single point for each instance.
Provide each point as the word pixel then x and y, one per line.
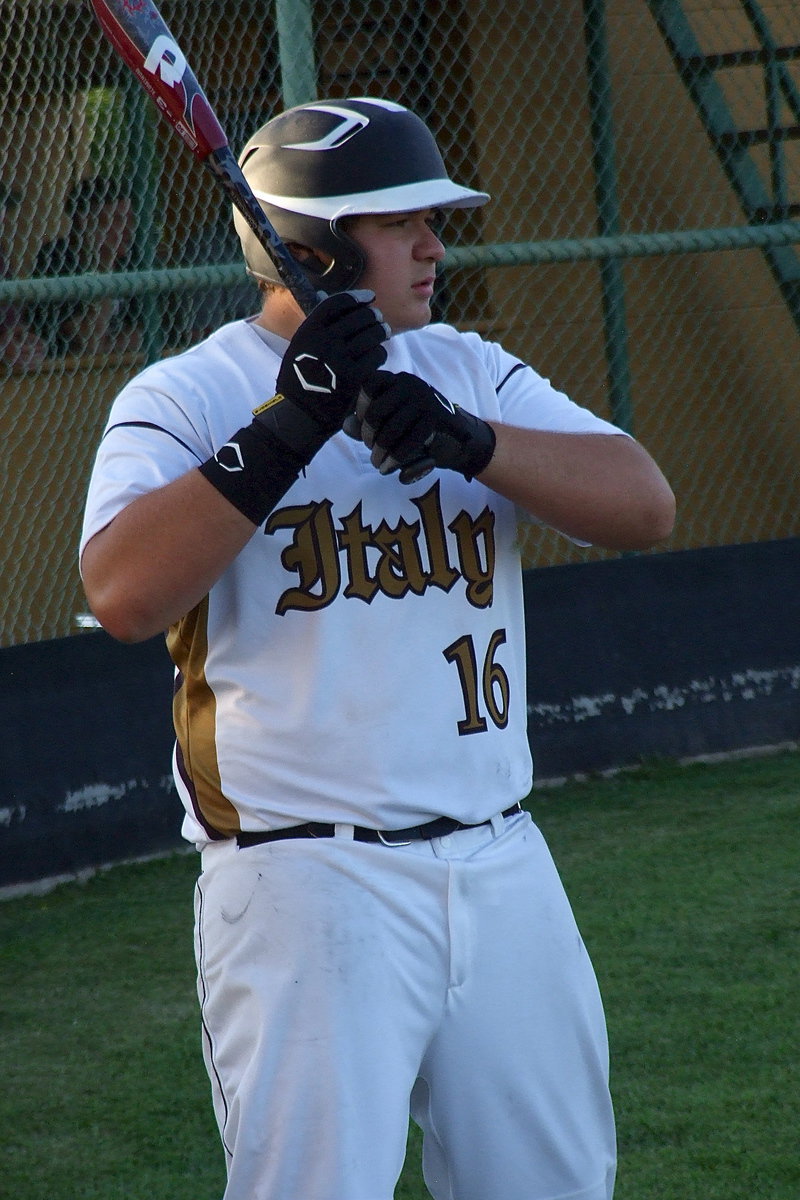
pixel 406 422
pixel 338 346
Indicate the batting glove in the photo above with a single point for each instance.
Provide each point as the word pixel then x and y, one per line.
pixel 338 346
pixel 406 421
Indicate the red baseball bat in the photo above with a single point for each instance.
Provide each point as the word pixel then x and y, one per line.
pixel 139 34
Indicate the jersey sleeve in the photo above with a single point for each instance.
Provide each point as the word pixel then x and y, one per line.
pixel 149 440
pixel 174 415
pixel 529 401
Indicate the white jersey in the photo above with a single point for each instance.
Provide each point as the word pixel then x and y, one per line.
pixel 362 660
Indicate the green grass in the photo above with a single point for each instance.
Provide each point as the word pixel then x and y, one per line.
pixel 684 881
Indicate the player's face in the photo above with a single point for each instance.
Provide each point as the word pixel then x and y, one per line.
pixel 402 251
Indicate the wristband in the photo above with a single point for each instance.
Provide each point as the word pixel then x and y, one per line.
pixel 253 470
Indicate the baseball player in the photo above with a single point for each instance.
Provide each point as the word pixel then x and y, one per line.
pixel 323 514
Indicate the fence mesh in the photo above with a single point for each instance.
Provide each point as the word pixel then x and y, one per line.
pixel 641 247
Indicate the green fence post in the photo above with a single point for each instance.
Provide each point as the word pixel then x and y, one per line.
pixel 296 51
pixel 774 71
pixel 608 221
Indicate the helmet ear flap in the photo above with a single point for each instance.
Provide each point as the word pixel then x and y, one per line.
pixel 349 263
pixel 323 237
pixel 311 262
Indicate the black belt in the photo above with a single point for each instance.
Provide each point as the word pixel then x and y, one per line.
pixel 389 837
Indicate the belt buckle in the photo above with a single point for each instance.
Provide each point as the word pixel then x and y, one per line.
pixel 387 842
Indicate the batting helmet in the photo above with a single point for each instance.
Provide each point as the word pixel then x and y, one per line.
pixel 318 163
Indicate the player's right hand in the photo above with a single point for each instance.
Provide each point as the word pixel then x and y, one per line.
pixel 338 346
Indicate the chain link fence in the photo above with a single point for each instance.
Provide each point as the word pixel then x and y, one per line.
pixel 642 247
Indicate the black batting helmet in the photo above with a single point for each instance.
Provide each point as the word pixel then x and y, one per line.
pixel 318 163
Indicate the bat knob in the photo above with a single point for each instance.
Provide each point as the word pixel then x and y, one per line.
pixel 352 427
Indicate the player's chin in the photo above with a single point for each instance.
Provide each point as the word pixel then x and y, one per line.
pixel 413 316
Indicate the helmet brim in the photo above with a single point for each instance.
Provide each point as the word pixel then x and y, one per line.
pixel 408 197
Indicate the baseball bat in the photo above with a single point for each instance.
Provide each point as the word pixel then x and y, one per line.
pixel 139 34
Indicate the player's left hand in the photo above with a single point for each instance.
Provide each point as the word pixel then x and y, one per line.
pixel 407 420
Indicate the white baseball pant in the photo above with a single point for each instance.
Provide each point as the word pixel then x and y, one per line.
pixel 342 983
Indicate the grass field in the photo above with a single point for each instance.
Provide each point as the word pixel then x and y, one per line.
pixel 685 882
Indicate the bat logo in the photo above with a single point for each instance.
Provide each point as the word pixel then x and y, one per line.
pixel 165 58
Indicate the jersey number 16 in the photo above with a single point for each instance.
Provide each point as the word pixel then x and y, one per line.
pixel 493 683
